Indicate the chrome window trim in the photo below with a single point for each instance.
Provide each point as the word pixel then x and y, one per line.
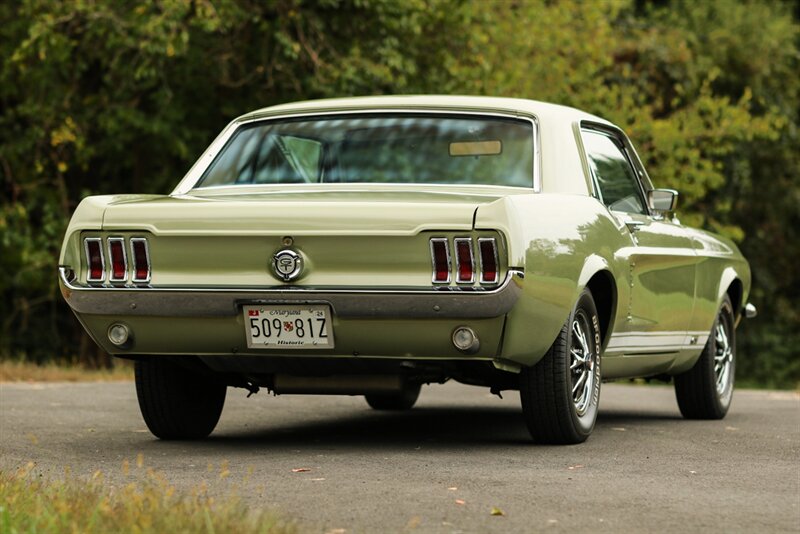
pixel 86 242
pixel 447 255
pixel 199 168
pixel 147 257
pixel 111 259
pixel 467 240
pixel 493 241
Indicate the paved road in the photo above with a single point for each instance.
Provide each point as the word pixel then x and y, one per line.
pixel 643 469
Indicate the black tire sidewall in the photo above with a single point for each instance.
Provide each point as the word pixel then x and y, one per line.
pixel 723 402
pixel 584 424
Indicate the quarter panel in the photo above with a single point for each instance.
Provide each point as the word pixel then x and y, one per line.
pixel 563 240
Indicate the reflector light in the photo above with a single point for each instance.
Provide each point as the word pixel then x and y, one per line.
pixel 465 264
pixel 119 260
pixel 95 271
pixel 488 249
pixel 440 258
pixel 140 254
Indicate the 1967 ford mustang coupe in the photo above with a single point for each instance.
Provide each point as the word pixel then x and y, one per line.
pixel 367 246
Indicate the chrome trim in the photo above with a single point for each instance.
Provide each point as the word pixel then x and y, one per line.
pixel 447 255
pixel 147 257
pixel 493 241
pixel 750 311
pixel 111 259
pixel 468 240
pixel 86 242
pixel 189 181
pixel 350 302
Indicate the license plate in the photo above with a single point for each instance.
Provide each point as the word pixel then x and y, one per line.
pixel 284 326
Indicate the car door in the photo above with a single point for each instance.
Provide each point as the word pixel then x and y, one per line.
pixel 661 257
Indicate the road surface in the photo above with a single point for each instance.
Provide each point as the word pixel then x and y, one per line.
pixel 443 466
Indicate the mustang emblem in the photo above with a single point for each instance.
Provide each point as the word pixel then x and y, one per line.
pixel 287 264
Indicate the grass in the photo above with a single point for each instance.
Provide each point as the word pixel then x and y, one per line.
pixel 21 371
pixel 29 504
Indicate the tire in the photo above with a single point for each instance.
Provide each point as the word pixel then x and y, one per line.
pixel 403 400
pixel 705 391
pixel 178 403
pixel 552 412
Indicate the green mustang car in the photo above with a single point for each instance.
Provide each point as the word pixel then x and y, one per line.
pixel 367 246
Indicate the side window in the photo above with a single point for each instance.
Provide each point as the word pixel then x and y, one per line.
pixel 613 174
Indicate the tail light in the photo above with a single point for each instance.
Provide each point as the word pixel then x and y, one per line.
pixel 488 250
pixel 119 260
pixel 440 257
pixel 96 269
pixel 140 255
pixel 465 263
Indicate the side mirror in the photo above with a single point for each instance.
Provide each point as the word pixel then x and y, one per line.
pixel 662 200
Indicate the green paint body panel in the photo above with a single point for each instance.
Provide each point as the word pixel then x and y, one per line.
pixel 667 281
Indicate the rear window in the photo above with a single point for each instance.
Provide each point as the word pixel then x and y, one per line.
pixel 385 148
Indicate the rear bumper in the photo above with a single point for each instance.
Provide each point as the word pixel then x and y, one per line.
pixel 226 302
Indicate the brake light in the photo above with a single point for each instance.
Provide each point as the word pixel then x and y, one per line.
pixel 119 260
pixel 94 259
pixel 465 264
pixel 440 257
pixel 488 250
pixel 140 255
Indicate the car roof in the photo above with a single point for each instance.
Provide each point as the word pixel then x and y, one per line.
pixel 542 110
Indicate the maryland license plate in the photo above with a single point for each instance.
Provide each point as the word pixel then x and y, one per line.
pixel 288 326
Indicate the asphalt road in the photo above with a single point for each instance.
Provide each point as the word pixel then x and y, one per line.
pixel 442 466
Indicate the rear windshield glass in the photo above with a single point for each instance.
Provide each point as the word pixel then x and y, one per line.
pixel 429 149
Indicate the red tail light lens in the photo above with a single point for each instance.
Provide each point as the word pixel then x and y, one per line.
pixel 440 257
pixel 140 253
pixel 465 264
pixel 488 248
pixel 94 259
pixel 119 260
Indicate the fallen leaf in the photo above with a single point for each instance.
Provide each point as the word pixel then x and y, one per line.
pixel 413 522
pixel 460 501
pixel 301 470
pixel 496 511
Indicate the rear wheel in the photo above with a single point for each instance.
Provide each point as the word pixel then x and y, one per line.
pixel 178 403
pixel 705 391
pixel 403 400
pixel 560 394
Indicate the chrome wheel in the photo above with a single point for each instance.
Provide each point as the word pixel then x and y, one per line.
pixel 705 391
pixel 723 358
pixel 583 361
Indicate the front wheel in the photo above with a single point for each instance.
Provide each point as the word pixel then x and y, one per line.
pixel 178 403
pixel 705 391
pixel 561 393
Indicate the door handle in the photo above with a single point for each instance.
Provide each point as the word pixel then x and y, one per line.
pixel 633 226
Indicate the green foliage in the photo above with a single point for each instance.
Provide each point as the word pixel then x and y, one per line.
pixel 101 97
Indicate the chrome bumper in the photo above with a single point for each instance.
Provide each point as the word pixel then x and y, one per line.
pixel 220 302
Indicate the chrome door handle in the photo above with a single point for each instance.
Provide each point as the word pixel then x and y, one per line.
pixel 634 225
